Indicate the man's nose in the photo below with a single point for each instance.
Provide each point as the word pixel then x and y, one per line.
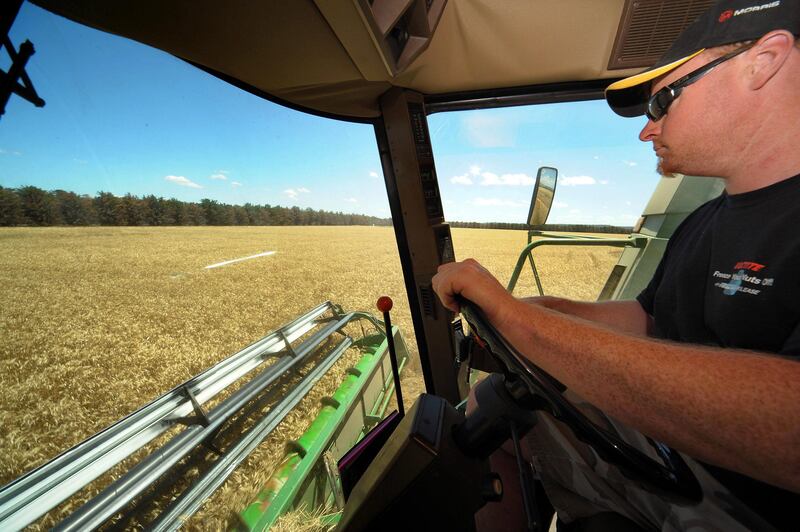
pixel 650 130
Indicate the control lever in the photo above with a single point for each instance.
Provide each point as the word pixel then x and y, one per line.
pixel 385 305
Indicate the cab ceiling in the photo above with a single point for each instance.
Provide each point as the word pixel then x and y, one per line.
pixel 294 51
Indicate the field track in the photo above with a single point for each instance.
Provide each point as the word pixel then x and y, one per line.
pixel 97 321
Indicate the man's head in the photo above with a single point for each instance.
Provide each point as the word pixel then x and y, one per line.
pixel 728 21
pixel 702 89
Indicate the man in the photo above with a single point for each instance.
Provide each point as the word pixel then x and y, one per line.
pixel 692 362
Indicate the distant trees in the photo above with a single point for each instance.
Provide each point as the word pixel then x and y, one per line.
pixel 74 209
pixel 39 206
pixel 109 209
pixel 34 206
pixel 10 207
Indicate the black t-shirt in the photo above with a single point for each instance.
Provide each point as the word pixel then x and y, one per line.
pixel 729 274
pixel 729 278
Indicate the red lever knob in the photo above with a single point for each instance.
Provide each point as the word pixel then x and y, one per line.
pixel 385 303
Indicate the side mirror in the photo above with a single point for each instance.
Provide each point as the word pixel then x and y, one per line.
pixel 543 192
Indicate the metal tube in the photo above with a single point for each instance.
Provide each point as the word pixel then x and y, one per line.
pixel 190 501
pixel 31 496
pixel 109 501
pixel 95 512
pixel 395 370
pixel 528 252
pixel 270 503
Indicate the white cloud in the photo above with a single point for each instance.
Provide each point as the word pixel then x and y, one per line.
pixel 351 200
pixel 574 211
pixel 629 163
pixel 220 176
pixel 492 179
pixel 461 180
pixel 596 157
pixel 495 202
pixel 577 180
pixel 514 180
pixel 373 174
pixel 235 184
pixel 9 152
pixel 560 205
pixel 293 193
pixel 488 131
pixel 182 181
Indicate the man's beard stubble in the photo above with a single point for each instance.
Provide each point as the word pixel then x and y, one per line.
pixel 665 172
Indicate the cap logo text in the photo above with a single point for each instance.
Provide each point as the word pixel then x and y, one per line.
pixel 731 13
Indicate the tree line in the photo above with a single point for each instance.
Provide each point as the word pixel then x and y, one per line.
pixel 32 206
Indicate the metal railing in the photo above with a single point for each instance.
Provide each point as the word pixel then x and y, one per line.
pixel 34 494
pixel 527 252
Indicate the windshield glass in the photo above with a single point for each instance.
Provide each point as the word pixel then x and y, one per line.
pixel 158 224
pixel 487 162
pixel 158 220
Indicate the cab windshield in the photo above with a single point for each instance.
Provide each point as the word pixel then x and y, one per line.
pixel 155 220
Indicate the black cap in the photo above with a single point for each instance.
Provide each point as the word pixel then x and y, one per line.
pixel 726 22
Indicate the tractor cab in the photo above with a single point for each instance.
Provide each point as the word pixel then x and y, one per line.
pixel 395 67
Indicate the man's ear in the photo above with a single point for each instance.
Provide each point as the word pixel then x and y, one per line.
pixel 768 56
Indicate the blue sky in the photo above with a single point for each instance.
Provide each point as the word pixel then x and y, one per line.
pixel 124 118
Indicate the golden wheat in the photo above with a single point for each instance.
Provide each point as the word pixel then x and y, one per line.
pixel 96 322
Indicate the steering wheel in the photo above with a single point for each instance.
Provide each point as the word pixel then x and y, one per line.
pixel 672 480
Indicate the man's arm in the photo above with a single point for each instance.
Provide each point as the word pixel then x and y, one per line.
pixel 733 408
pixel 624 316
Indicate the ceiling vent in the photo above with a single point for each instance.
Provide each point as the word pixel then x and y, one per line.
pixel 400 30
pixel 648 28
pixel 403 28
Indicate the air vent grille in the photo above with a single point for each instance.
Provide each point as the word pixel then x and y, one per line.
pixel 649 27
pixel 403 28
pixel 426 298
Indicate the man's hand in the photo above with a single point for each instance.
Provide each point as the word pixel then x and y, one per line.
pixel 472 281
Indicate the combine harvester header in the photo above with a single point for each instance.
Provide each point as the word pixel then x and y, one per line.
pixel 304 349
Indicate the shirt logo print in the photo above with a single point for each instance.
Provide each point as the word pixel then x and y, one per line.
pixel 747 279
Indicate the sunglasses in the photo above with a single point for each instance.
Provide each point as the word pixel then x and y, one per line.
pixel 659 102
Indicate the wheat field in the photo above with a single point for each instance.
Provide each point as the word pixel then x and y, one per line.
pixel 95 322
